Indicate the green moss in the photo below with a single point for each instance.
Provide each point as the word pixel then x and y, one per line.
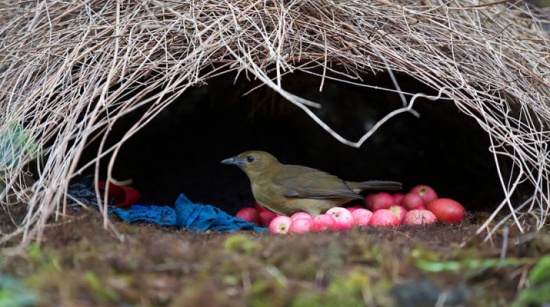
pixel 421 253
pixel 35 253
pixel 348 290
pixel 43 261
pixel 83 263
pixel 100 291
pixel 240 243
pixel 541 271
pixel 538 291
pixel 351 289
pixel 268 293
pixel 353 283
pixel 231 280
pixel 204 292
pixel 309 299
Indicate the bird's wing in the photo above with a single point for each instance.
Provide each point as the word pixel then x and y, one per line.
pixel 304 182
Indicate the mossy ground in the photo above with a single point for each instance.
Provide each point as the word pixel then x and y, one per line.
pixel 81 264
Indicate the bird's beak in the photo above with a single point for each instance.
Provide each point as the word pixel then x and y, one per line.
pixel 233 161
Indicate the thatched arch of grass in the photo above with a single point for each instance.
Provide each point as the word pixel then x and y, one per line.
pixel 71 69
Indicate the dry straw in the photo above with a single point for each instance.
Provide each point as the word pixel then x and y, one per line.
pixel 71 69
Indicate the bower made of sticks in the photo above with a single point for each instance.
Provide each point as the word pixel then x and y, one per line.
pixel 455 95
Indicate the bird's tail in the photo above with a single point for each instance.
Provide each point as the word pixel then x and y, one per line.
pixel 375 185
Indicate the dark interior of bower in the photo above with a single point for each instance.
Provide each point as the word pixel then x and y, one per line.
pixel 180 150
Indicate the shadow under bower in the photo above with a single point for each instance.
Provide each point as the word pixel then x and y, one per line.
pixel 180 150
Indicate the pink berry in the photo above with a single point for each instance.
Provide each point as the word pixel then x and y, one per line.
pixel 343 218
pixel 412 201
pixel 301 215
pixel 353 208
pixel 280 224
pixel 361 217
pixel 398 198
pixel 324 222
pixel 425 192
pixel 382 200
pixel 301 225
pixel 398 211
pixel 419 217
pixel 384 217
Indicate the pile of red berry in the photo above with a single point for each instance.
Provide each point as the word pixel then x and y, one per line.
pixel 420 206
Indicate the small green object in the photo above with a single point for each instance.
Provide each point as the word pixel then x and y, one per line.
pixel 541 271
pixel 240 243
pixel 537 293
pixel 469 264
pixel 13 294
pixel 99 289
pixel 15 143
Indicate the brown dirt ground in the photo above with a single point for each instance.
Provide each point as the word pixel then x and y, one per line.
pixel 81 264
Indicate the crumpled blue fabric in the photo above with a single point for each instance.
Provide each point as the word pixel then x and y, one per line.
pixel 161 215
pixel 193 217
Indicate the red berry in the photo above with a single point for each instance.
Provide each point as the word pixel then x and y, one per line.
pixel 382 200
pixel 447 210
pixel 425 192
pixel 412 201
pixel 250 215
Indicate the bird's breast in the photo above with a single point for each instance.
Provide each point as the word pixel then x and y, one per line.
pixel 267 195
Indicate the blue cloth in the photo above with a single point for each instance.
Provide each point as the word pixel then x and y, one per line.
pixel 193 217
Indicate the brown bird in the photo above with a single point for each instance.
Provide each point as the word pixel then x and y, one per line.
pixel 286 189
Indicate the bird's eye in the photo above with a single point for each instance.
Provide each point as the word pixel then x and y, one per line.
pixel 250 159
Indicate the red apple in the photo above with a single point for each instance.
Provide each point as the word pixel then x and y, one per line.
pixel 412 201
pixel 446 210
pixel 301 225
pixel 250 215
pixel 382 200
pixel 361 217
pixel 324 222
pixel 343 218
pixel 301 215
pixel 419 217
pixel 397 198
pixel 425 192
pixel 280 224
pixel 266 217
pixel 384 217
pixel 398 211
